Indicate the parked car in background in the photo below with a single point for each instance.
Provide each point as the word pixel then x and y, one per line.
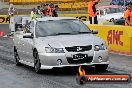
pixel 119 22
pixel 110 13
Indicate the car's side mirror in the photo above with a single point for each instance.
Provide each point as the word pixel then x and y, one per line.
pixel 28 35
pixel 94 31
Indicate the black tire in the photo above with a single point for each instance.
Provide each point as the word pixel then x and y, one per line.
pixel 101 68
pixel 37 64
pixel 16 56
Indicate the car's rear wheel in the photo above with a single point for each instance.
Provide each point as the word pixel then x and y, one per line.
pixel 37 64
pixel 16 56
pixel 101 67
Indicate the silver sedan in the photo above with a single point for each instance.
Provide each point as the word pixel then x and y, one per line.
pixel 52 42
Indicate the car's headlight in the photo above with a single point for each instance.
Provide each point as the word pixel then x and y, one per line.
pixel 100 47
pixel 54 50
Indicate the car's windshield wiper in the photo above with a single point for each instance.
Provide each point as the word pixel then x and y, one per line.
pixel 63 33
pixel 54 34
pixel 84 32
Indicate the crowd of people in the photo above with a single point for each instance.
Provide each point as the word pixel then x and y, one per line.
pixel 51 10
pixel 45 10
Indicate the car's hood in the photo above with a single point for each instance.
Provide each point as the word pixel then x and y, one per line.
pixel 70 40
pixel 109 16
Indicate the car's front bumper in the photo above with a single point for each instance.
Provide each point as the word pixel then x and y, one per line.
pixel 74 65
pixel 50 60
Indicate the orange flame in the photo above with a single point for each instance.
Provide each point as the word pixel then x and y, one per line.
pixel 81 71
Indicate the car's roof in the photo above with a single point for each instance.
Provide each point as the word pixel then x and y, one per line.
pixel 109 6
pixel 55 18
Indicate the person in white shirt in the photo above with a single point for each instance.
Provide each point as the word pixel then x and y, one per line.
pixel 11 11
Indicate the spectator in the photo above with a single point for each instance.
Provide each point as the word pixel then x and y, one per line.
pixel 54 11
pixel 92 11
pixel 38 12
pixel 49 10
pixel 131 16
pixel 127 14
pixel 42 5
pixel 45 10
pixel 11 11
pixel 51 5
pixel 33 14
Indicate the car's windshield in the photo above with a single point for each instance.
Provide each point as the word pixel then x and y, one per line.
pixel 60 27
pixel 113 10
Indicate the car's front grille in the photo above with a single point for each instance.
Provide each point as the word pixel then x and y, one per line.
pixel 79 48
pixel 79 59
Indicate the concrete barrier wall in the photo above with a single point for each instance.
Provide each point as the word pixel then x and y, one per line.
pixel 4 19
pixel 4 25
pixel 118 38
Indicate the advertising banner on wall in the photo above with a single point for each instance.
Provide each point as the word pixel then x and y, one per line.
pixel 118 38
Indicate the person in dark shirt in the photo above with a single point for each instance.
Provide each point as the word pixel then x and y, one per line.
pixel 54 11
pixel 38 11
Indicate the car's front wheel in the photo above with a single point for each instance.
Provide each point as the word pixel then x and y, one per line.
pixel 101 67
pixel 16 56
pixel 37 64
